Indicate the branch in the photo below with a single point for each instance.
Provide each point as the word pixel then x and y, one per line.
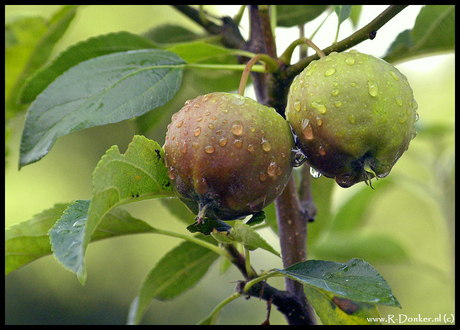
pixel 231 36
pixel 285 302
pixel 367 32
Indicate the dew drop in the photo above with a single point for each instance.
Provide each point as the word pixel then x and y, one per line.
pixel 211 126
pixel 394 75
pixel 321 150
pixel 171 174
pixel 206 97
pixel 402 119
pixel 335 92
pixel 237 128
pixel 350 60
pixel 250 147
pixel 399 101
pixel 338 104
pixel 373 88
pixel 252 129
pixel 265 145
pixel 238 143
pixel 197 131
pixel 297 105
pixel 416 116
pixel 351 118
pixel 319 121
pixel 184 148
pixel 353 84
pixel 197 105
pixel 329 72
pixel 271 169
pixel 319 106
pixel 179 124
pixel 308 132
pixel 414 104
pixel 199 119
pixel 195 145
pixel 209 149
pixel 262 177
pixel 413 134
pixel 223 142
pixel 314 173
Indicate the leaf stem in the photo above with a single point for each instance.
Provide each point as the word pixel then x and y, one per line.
pixel 263 277
pixel 209 319
pixel 234 67
pixel 195 240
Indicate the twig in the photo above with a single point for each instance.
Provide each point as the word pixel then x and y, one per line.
pixel 367 32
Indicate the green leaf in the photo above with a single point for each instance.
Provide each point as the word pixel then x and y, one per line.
pixel 433 32
pixel 343 12
pixel 207 226
pixel 66 236
pixel 374 247
pixel 28 240
pixel 29 42
pixel 199 51
pixel 339 311
pixel 81 51
pixel 356 280
pixel 178 209
pixel 352 213
pixel 120 179
pixel 169 34
pixel 99 91
pixel 355 14
pixel 288 15
pixel 246 235
pixel 178 270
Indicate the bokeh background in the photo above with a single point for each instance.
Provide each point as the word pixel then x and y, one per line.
pixel 422 219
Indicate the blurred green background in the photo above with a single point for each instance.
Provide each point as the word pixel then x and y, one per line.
pixel 422 218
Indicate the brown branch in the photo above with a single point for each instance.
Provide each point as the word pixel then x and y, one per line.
pixel 367 32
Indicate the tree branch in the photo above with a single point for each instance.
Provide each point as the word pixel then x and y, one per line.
pixel 231 36
pixel 367 32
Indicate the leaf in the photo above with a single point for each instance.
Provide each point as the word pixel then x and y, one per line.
pixel 246 235
pixel 343 12
pixel 207 226
pixel 29 42
pixel 120 179
pixel 355 14
pixel 352 213
pixel 81 51
pixel 199 51
pixel 356 280
pixel 288 15
pixel 339 311
pixel 28 240
pixel 169 34
pixel 374 247
pixel 99 91
pixel 66 236
pixel 178 270
pixel 433 32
